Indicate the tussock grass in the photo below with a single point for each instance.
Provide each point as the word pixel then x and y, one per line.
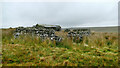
pixel 98 49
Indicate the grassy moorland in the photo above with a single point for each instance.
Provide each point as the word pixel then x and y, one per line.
pixel 108 29
pixel 99 49
pixel 105 29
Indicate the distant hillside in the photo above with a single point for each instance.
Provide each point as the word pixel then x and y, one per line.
pixel 99 29
pixel 104 29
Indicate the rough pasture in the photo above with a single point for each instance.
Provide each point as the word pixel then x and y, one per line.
pixel 99 49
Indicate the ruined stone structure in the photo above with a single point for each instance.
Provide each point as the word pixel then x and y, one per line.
pixel 40 31
pixel 47 31
pixel 79 33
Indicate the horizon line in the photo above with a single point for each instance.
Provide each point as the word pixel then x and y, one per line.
pixel 65 27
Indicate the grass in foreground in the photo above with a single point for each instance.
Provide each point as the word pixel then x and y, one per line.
pixel 99 49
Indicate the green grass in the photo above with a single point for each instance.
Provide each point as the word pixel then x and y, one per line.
pixel 99 49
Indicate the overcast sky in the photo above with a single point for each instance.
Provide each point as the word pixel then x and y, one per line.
pixel 66 14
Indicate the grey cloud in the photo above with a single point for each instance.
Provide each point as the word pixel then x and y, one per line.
pixel 65 14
